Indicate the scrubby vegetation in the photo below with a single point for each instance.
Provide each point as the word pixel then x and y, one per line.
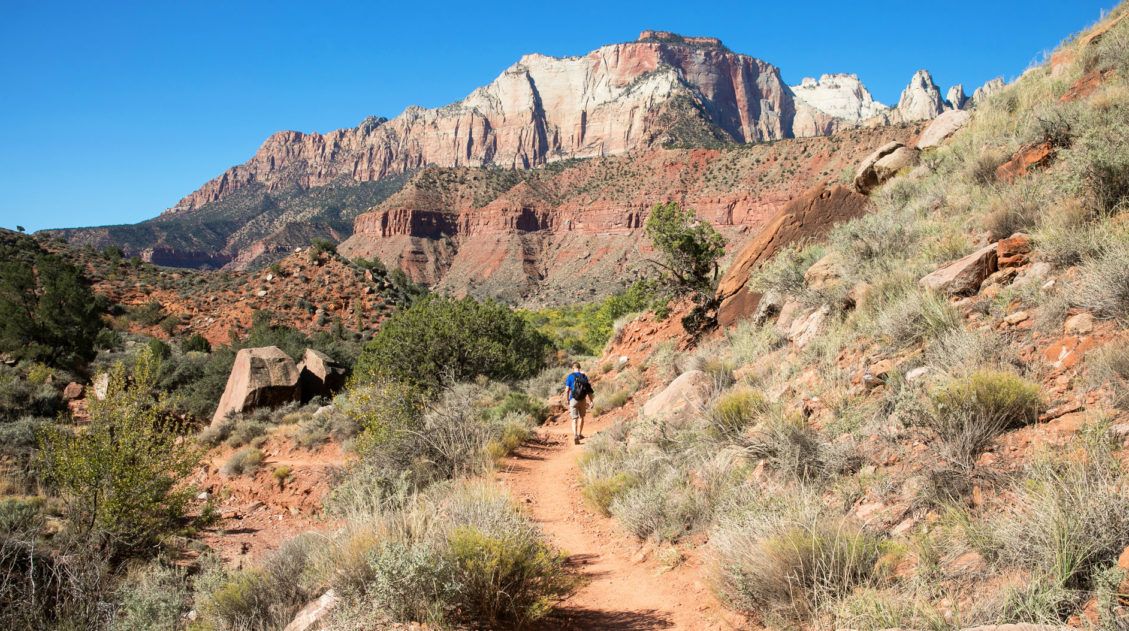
pixel 914 459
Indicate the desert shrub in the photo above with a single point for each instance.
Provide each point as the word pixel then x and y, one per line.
pixel 245 461
pixel 514 429
pixel 783 274
pixel 982 170
pixel 243 430
pixel 321 246
pixel 748 342
pixel 147 314
pixel 689 249
pixel 159 349
pixel 792 447
pixel 615 394
pixel 20 396
pixel 1069 521
pixel 735 411
pixel 47 311
pixel 916 317
pixel 548 383
pixel 601 492
pixel 195 343
pixel 460 555
pixel 791 558
pixel 120 478
pixel 970 412
pixel 440 338
pixel 959 351
pixel 154 596
pixel 874 243
pixel 664 503
pixel 21 515
pixel 1016 210
pixel 1102 285
pixel 520 403
pixel 262 598
pixel 1110 364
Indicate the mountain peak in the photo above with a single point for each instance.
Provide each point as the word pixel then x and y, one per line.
pixel 667 37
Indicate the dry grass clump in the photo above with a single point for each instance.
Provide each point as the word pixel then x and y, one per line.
pixel 970 412
pixel 793 448
pixel 915 317
pixel 1066 527
pixel 616 393
pixel 1102 285
pixel 736 410
pixel 1110 364
pixel 245 461
pixel 788 558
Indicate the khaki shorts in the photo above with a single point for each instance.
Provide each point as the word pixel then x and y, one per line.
pixel 577 409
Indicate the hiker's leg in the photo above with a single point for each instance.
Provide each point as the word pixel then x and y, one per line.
pixel 582 408
pixel 574 412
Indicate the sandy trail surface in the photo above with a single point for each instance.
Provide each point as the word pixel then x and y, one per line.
pixel 623 585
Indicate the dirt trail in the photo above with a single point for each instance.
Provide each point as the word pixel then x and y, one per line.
pixel 622 590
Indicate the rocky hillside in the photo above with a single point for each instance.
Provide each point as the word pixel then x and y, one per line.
pixel 663 90
pixel 573 230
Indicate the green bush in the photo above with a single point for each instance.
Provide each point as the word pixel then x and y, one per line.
pixel 149 314
pixel 121 478
pixel 195 343
pixel 601 492
pixel 585 329
pixel 520 403
pixel 916 317
pixel 47 311
pixel 439 339
pixel 153 597
pixel 689 248
pixel 20 396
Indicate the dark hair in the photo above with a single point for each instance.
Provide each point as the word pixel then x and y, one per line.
pixel 576 365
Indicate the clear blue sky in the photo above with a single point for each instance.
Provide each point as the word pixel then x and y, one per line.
pixel 112 111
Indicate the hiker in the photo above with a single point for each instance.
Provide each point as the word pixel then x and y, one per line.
pixel 578 392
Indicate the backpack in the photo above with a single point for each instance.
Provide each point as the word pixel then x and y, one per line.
pixel 580 386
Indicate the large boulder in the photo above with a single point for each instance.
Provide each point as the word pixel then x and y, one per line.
pixel 260 377
pixel 808 217
pixel 320 375
pixel 942 127
pixel 963 276
pixel 890 164
pixel 689 391
pixel 866 177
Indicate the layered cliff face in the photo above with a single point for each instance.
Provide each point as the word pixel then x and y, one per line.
pixel 663 90
pixel 570 232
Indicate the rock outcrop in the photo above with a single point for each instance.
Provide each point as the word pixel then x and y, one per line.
pixel 687 393
pixel 963 276
pixel 921 100
pixel 320 375
pixel 832 102
pixel 942 127
pixel 869 175
pixel 955 97
pixel 259 377
pixel 809 217
pixel 985 91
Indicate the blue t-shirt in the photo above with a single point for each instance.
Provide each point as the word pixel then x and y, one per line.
pixel 568 383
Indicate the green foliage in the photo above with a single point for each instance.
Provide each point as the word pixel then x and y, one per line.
pixel 601 492
pixel 195 343
pixel 736 410
pixel 153 597
pixel 20 396
pixel 261 598
pixel 517 402
pixel 689 248
pixel 439 338
pixel 47 310
pixel 322 246
pixel 120 478
pixel 149 314
pixel 585 329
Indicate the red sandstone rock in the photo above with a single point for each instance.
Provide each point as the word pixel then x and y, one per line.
pixel 1068 351
pixel 1026 160
pixel 260 377
pixel 1013 251
pixel 72 392
pixel 963 276
pixel 811 216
